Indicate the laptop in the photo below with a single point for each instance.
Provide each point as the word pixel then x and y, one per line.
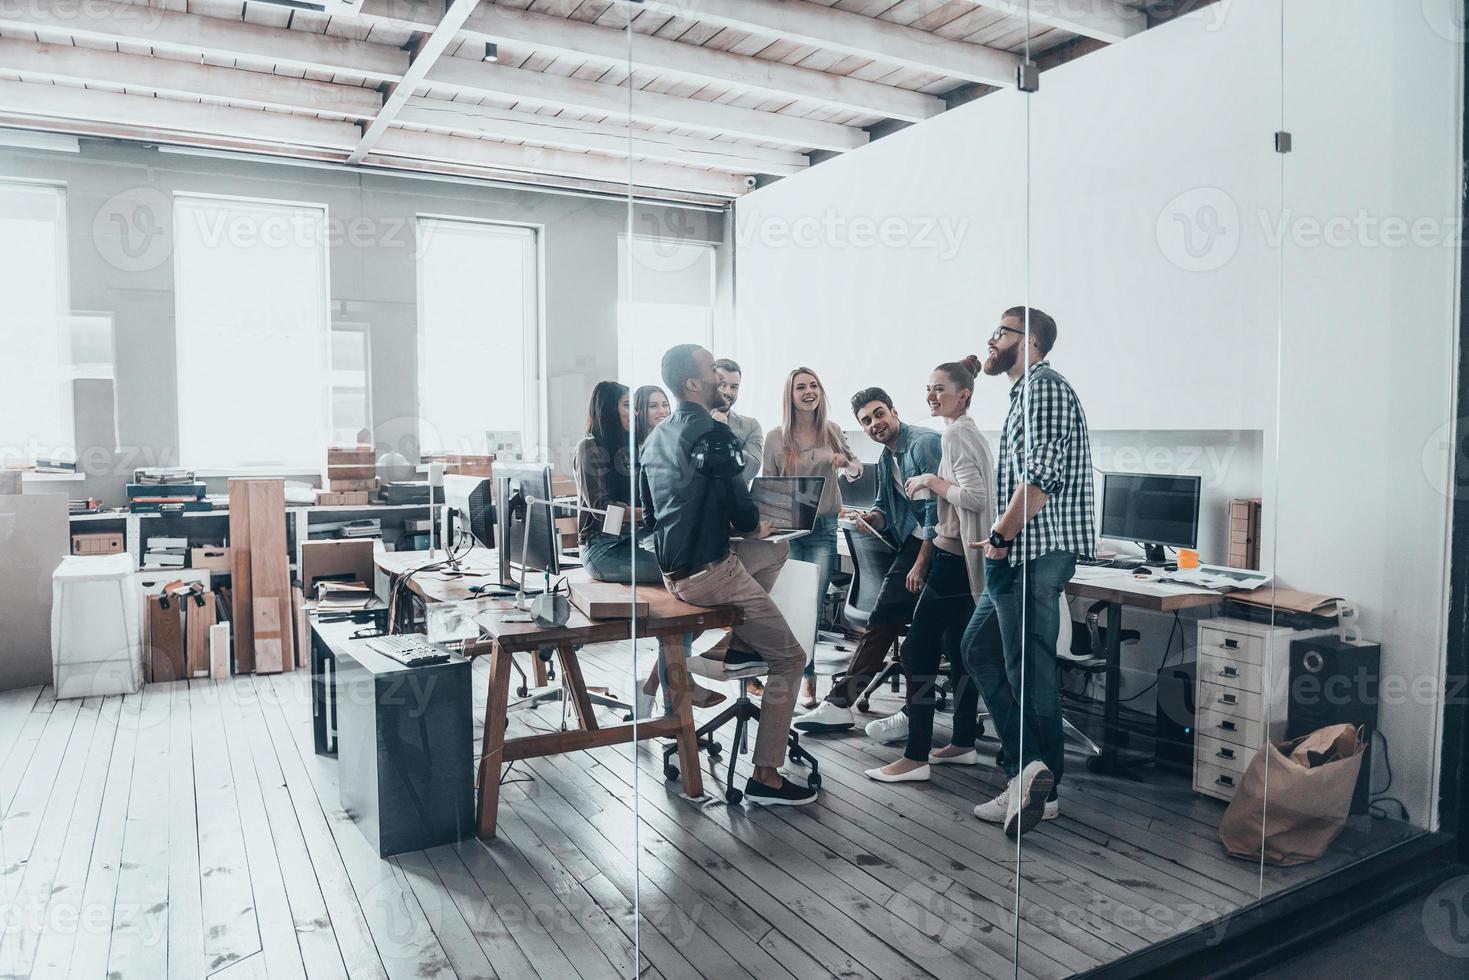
pixel 787 502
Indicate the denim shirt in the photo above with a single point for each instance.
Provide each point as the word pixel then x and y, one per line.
pixel 916 451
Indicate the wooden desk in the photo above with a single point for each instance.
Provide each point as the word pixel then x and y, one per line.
pixel 1117 588
pixel 668 619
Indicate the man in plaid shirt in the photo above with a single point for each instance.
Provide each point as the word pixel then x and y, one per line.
pixel 1045 488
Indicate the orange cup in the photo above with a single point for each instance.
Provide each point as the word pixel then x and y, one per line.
pixel 1188 558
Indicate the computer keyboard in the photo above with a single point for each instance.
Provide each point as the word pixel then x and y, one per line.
pixel 409 649
pixel 1125 564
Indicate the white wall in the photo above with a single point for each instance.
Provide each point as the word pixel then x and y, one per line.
pixel 1147 178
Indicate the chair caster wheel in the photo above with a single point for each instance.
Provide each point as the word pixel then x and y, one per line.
pixel 863 705
pixel 814 782
pixel 522 691
pixel 715 749
pixel 733 797
pixel 670 773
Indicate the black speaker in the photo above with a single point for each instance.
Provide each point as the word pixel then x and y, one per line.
pixel 1173 740
pixel 1335 682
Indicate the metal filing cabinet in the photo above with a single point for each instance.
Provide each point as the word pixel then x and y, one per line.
pixel 1242 698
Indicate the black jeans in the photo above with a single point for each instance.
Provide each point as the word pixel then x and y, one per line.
pixel 943 611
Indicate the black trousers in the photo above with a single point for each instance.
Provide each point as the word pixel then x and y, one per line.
pixel 944 609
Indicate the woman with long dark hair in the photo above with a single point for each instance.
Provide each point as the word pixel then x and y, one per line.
pixel 807 443
pixel 650 405
pixel 605 479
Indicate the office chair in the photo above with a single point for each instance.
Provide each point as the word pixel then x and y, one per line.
pixel 871 559
pixel 1082 647
pixel 742 710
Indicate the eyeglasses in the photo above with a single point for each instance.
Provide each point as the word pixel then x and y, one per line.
pixel 1000 332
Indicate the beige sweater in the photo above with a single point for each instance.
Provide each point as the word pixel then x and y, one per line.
pixel 967 512
pixel 812 462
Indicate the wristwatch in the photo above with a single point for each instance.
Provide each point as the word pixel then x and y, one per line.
pixel 998 542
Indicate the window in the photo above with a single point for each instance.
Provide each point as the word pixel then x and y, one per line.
pixel 35 397
pixel 478 334
pixel 251 317
pixel 351 384
pixel 666 297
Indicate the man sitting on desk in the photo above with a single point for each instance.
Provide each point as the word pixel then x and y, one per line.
pixel 693 492
pixel 908 527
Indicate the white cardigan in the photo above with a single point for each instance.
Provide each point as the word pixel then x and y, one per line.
pixel 969 466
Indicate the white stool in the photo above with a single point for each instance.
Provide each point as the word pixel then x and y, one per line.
pixel 95 639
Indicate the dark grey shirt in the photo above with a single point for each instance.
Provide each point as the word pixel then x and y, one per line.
pixel 690 514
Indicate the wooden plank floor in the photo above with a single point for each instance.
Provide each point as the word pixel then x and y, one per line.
pixel 190 831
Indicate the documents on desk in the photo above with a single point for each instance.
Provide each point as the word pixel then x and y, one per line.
pixel 1207 579
pixel 1216 578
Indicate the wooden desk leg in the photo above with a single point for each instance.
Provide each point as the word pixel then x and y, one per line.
pixel 492 748
pixel 576 687
pixel 678 696
pixel 539 667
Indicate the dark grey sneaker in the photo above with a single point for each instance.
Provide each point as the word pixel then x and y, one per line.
pixel 789 794
pixel 1035 784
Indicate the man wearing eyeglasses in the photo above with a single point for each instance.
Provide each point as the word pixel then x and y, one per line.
pixel 1045 475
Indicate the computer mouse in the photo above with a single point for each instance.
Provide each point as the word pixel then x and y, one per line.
pixel 1142 571
pixel 1171 567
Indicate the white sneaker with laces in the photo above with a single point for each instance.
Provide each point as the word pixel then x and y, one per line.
pixel 825 717
pixel 997 809
pixel 1029 807
pixel 893 728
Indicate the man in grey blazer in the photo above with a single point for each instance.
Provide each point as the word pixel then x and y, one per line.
pixel 749 432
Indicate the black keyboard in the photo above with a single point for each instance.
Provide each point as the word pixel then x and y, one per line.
pixel 1125 564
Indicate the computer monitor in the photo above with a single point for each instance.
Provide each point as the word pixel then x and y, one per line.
pixel 860 493
pixel 470 503
pixel 1153 509
pixel 525 528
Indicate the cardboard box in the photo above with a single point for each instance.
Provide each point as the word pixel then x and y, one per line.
pixel 606 600
pixel 350 486
pixel 354 471
pixel 215 559
pixel 337 560
pixel 327 498
pixel 98 543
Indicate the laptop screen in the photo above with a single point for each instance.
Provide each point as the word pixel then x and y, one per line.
pixel 788 502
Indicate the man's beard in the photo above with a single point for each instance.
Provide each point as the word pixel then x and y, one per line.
pixel 1000 362
pixel 726 402
pixel 714 401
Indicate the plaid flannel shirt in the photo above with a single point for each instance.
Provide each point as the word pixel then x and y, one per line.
pixel 1045 444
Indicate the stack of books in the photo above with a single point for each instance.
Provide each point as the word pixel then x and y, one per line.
pixel 342 596
pixel 157 497
pixel 166 553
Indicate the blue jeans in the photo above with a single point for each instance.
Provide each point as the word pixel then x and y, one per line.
pixel 1025 596
pixel 820 548
pixel 612 559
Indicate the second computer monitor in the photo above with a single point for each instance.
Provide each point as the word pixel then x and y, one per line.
pixel 471 503
pixel 1153 509
pixel 527 532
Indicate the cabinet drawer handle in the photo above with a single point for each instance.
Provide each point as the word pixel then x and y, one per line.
pixel 1225 780
pixel 1225 753
pixel 1228 699
pixel 1229 672
pixel 1231 644
pixel 1228 726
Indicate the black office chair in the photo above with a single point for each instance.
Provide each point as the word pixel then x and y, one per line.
pixel 871 559
pixel 742 711
pixel 1086 654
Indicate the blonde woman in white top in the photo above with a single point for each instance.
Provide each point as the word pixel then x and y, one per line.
pixel 952 580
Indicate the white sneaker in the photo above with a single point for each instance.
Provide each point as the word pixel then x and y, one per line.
pixel 1053 810
pixel 997 809
pixel 1036 782
pixel 969 758
pixel 825 717
pixel 893 728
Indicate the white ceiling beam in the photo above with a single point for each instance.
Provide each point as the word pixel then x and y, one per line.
pixel 425 52
pixel 479 78
pixel 547 160
pixel 59 102
pixel 143 73
pixel 195 124
pixel 571 134
pixel 105 20
pixel 609 46
pixel 851 33
pixel 1105 20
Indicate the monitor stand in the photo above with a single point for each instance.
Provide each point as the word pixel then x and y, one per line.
pixel 1155 555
